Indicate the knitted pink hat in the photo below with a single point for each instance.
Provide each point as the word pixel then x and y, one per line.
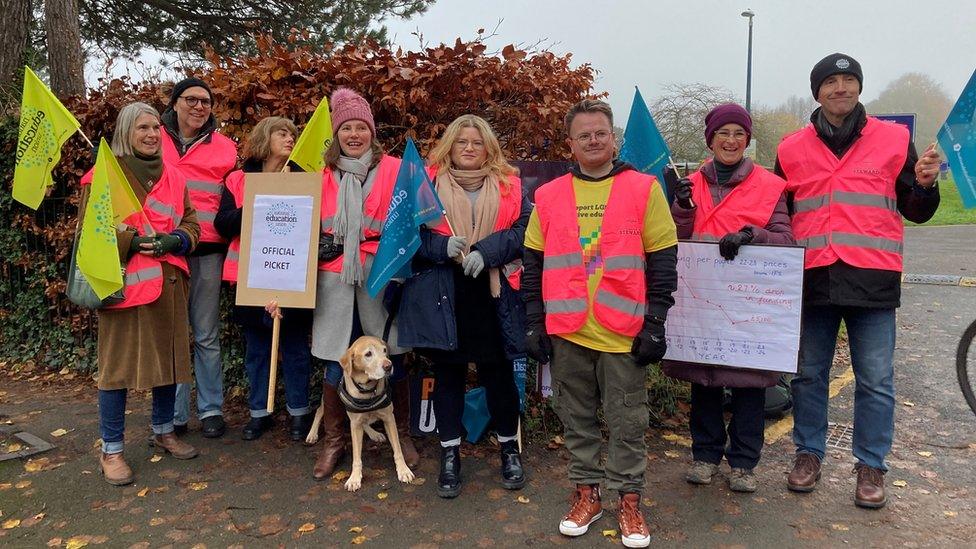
pixel 346 105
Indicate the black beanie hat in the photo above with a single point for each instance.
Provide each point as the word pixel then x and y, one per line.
pixel 835 63
pixel 186 84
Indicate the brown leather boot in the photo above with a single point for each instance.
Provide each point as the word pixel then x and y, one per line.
pixel 115 470
pixel 174 446
pixel 401 412
pixel 870 491
pixel 805 473
pixel 336 426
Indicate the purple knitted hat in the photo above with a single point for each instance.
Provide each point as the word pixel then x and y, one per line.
pixel 346 105
pixel 729 113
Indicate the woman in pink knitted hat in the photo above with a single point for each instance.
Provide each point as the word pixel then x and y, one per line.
pixel 357 185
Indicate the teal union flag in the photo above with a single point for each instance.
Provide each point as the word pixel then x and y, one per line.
pixel 414 203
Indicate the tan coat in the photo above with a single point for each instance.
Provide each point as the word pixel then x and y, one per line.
pixel 149 345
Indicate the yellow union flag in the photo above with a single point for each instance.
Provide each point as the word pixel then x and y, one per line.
pixel 310 149
pixel 98 254
pixel 44 127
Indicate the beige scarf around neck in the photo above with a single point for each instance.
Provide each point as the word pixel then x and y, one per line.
pixel 452 188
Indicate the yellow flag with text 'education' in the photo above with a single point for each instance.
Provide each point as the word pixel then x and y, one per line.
pixel 98 254
pixel 44 127
pixel 309 151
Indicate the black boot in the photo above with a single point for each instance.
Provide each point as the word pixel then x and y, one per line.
pixel 449 481
pixel 256 427
pixel 300 426
pixel 513 476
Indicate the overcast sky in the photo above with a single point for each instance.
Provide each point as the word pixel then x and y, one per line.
pixel 651 43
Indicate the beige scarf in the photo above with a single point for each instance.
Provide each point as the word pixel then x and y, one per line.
pixel 452 187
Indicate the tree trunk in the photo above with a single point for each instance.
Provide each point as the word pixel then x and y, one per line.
pixel 14 36
pixel 65 60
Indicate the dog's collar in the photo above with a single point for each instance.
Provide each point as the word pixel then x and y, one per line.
pixel 365 389
pixel 363 405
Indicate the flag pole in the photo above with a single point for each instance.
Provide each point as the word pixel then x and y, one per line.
pixel 678 175
pixel 85 137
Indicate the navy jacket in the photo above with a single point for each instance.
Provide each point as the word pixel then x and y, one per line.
pixel 426 317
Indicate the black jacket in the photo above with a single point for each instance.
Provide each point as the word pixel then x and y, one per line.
pixel 427 316
pixel 845 285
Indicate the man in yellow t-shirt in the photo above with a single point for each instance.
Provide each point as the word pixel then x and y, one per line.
pixel 600 362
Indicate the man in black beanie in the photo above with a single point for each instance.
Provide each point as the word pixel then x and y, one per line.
pixel 850 179
pixel 191 143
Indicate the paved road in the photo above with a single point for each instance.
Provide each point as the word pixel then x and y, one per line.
pixel 260 494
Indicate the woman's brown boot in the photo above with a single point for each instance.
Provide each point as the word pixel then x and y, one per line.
pixel 335 423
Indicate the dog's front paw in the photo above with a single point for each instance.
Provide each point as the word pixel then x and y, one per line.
pixel 404 473
pixel 375 435
pixel 312 438
pixel 354 482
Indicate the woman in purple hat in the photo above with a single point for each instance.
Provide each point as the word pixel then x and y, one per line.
pixel 733 201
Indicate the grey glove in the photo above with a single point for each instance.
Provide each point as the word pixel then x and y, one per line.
pixel 455 244
pixel 473 264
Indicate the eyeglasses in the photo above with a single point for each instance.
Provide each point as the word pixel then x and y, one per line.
pixel 194 101
pixel 464 144
pixel 599 136
pixel 738 135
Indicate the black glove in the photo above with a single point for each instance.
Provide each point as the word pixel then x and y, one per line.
pixel 329 249
pixel 137 241
pixel 650 345
pixel 730 243
pixel 682 193
pixel 166 244
pixel 537 342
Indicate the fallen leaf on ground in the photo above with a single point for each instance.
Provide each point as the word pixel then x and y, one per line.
pixel 925 454
pixel 156 521
pixel 59 433
pixel 671 454
pixel 609 533
pixel 307 527
pixel 418 481
pixel 677 439
pixel 22 484
pixel 909 404
pixel 5 485
pixel 197 486
pixel 356 530
pixel 358 540
pixel 13 447
pixel 950 513
pixel 41 464
pixel 12 523
pixel 142 493
pixel 899 483
pixel 522 499
pixel 840 527
pixel 77 542
pixel 341 475
pixel 156 458
pixel 382 495
pixel 928 474
pixel 55 542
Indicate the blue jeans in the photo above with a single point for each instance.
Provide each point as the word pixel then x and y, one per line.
pixel 295 365
pixel 333 371
pixel 871 333
pixel 205 271
pixel 111 415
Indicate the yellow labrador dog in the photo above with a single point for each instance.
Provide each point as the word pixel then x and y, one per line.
pixel 365 391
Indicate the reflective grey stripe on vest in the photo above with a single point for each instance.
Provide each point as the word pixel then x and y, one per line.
pixel 703 237
pixel 233 255
pixel 147 229
pixel 205 187
pixel 556 306
pixel 813 242
pixel 164 210
pixel 863 241
pixel 622 304
pixel 866 199
pixel 206 216
pixel 625 262
pixel 143 275
pixel 846 197
pixel 810 204
pixel 373 224
pixel 561 261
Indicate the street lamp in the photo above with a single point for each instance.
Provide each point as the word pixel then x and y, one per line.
pixel 749 14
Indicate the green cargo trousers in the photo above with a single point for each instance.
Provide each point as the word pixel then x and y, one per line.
pixel 582 379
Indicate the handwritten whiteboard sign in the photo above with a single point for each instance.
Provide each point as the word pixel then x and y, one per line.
pixel 742 313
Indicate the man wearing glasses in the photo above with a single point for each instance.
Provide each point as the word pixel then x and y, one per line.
pixel 600 267
pixel 191 143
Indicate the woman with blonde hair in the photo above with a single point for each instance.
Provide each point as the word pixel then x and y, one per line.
pixel 461 304
pixel 266 150
pixel 143 338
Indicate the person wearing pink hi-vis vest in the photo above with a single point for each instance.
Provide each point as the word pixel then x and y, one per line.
pixel 191 143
